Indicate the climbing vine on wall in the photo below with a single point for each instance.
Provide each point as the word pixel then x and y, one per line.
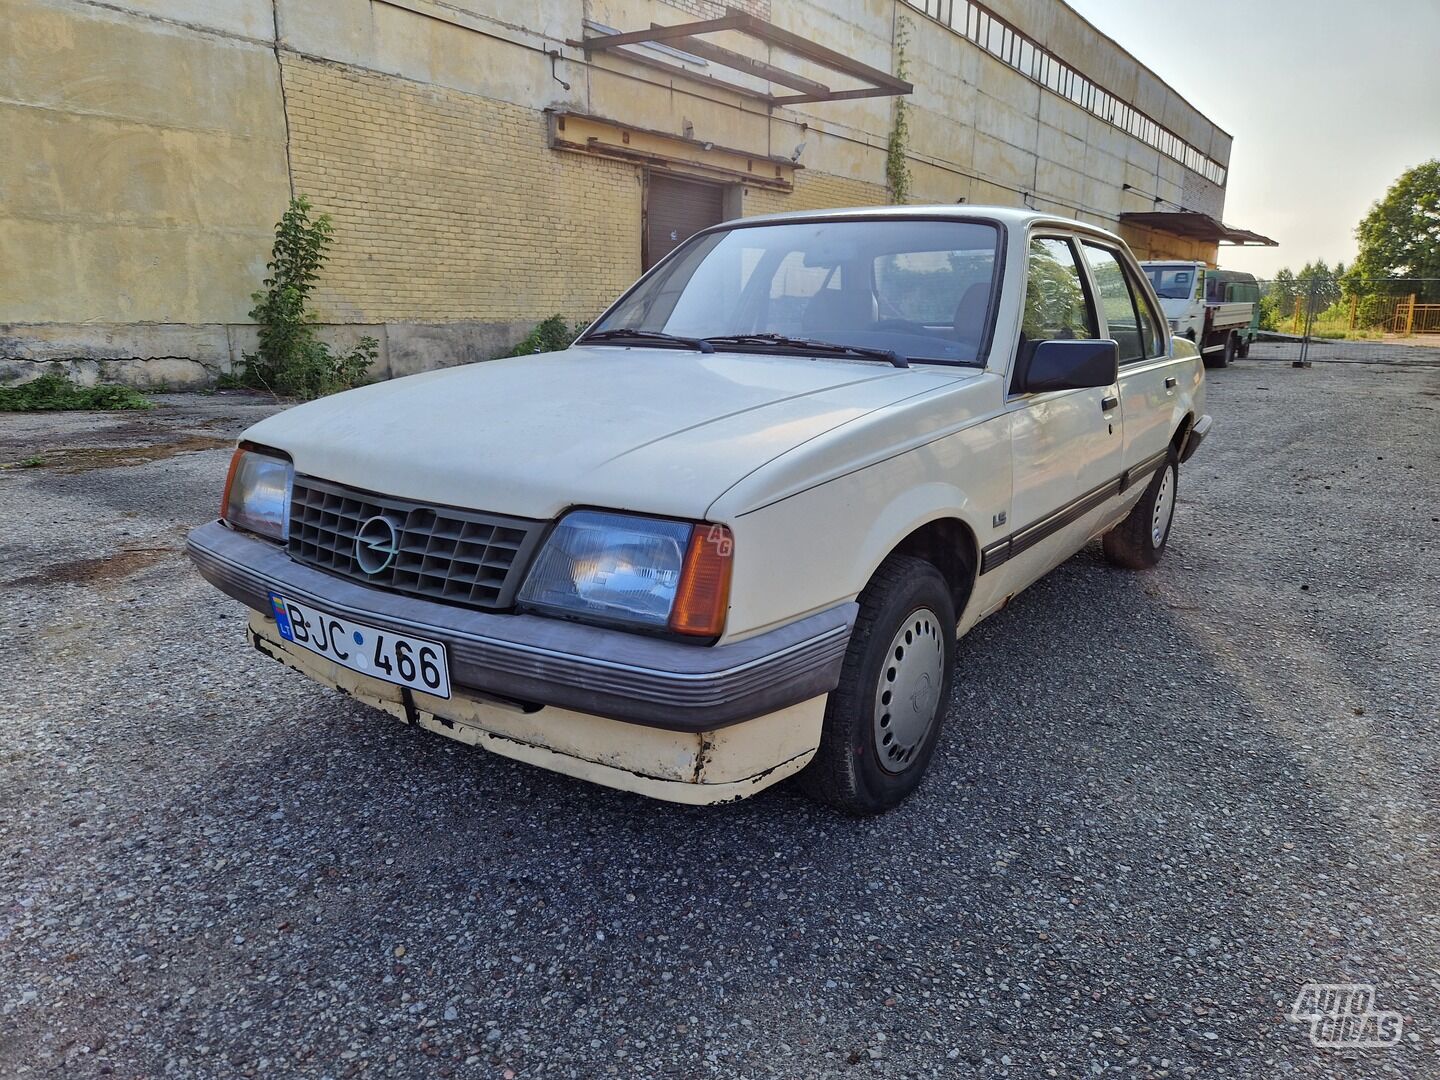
pixel 897 163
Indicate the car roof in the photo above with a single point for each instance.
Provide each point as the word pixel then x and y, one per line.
pixel 1012 216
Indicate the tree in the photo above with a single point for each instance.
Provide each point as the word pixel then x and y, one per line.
pixel 290 359
pixel 1318 283
pixel 1400 236
pixel 1277 300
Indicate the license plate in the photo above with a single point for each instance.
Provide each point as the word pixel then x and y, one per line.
pixel 395 658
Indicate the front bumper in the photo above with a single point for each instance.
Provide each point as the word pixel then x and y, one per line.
pixel 698 768
pixel 1196 436
pixel 532 660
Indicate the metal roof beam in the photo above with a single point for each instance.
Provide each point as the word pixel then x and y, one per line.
pixel 684 36
pixel 749 65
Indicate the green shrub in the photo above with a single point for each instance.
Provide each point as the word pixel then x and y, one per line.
pixel 550 335
pixel 54 391
pixel 290 360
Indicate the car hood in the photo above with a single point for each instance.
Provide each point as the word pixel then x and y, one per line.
pixel 662 431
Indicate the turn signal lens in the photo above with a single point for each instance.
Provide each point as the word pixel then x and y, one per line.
pixel 703 597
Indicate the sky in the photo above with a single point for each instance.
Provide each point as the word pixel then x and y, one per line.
pixel 1328 101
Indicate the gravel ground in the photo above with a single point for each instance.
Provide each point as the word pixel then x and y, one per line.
pixel 1163 802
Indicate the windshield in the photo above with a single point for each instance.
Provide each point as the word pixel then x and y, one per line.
pixel 919 289
pixel 1171 282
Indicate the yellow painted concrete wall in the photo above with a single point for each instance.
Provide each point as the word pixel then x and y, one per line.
pixel 159 140
pixel 1149 244
pixel 143 171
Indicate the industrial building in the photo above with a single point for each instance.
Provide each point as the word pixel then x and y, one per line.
pixel 488 163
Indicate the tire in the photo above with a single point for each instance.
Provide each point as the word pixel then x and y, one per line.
pixel 1227 354
pixel 1242 351
pixel 1138 542
pixel 901 654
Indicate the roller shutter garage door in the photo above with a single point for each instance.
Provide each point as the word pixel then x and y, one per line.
pixel 675 210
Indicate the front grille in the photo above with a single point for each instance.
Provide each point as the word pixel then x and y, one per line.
pixel 460 556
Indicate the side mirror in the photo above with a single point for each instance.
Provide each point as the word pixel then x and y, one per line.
pixel 1072 365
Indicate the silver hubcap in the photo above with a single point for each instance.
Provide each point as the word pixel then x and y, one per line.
pixel 907 695
pixel 1164 507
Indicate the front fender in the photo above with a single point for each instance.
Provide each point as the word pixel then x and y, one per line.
pixel 806 552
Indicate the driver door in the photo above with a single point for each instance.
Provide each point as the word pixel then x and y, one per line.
pixel 1066 444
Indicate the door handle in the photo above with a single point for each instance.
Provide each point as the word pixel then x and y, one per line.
pixel 1170 383
pixel 1108 403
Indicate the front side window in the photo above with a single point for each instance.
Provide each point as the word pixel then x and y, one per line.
pixel 1055 301
pixel 919 289
pixel 1117 301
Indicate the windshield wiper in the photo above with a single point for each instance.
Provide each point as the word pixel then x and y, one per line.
pixel 974 362
pixel 890 356
pixel 619 333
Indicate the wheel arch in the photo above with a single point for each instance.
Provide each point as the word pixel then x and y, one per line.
pixel 949 544
pixel 1182 434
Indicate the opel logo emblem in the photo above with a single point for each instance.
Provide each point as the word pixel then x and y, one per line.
pixel 376 544
pixel 924 698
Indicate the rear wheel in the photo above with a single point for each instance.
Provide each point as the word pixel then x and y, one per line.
pixel 1222 358
pixel 882 722
pixel 1138 542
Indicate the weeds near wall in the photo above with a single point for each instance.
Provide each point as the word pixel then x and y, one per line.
pixel 54 392
pixel 291 361
pixel 550 335
pixel 897 163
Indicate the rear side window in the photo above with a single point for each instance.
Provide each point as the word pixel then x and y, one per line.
pixel 1117 300
pixel 1154 330
pixel 1055 302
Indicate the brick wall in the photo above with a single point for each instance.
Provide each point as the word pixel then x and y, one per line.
pixel 714 9
pixel 449 206
pixel 815 191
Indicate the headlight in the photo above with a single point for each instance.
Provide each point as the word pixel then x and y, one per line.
pixel 643 572
pixel 257 494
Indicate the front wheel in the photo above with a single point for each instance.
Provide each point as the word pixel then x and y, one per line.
pixel 1138 542
pixel 884 718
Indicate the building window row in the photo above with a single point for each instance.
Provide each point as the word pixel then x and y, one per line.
pixel 978 24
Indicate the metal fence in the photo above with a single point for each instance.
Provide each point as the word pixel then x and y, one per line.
pixel 1356 320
